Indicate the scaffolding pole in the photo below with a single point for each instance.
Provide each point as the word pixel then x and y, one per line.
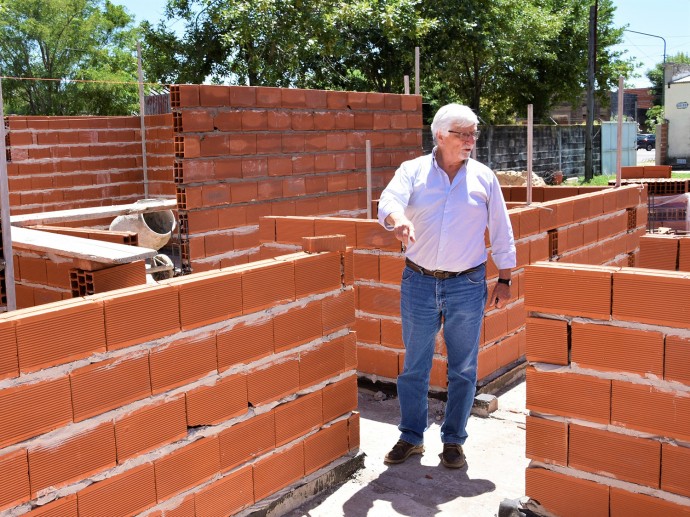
pixel 5 216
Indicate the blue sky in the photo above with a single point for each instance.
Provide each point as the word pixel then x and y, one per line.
pixel 669 19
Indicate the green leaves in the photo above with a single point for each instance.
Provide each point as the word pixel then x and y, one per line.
pixel 62 41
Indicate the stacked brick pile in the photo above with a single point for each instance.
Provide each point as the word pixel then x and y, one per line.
pixel 608 389
pixel 646 171
pixel 207 393
pixel 598 227
pixel 246 152
pixel 668 252
pixel 60 163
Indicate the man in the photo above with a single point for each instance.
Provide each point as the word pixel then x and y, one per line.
pixel 439 207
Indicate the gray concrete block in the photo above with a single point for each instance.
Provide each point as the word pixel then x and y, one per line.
pixel 484 405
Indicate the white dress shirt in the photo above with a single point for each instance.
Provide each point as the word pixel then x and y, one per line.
pixel 450 219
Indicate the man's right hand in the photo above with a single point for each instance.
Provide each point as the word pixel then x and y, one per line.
pixel 403 229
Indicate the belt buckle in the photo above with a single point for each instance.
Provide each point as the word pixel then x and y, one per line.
pixel 439 275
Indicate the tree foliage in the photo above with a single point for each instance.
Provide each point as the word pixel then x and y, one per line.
pixel 64 42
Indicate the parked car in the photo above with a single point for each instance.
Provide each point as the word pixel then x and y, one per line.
pixel 646 141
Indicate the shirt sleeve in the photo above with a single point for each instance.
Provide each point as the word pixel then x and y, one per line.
pixel 396 196
pixel 500 229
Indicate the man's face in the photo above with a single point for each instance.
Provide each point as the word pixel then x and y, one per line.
pixel 459 141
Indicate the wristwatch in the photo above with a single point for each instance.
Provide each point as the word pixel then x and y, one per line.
pixel 506 281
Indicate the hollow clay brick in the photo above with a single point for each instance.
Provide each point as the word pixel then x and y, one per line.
pixel 298 417
pixel 278 470
pixel 567 496
pixel 184 360
pixel 227 496
pixel 266 286
pixel 150 427
pixel 567 394
pixel 323 362
pixel 187 467
pixel 372 235
pixel 546 440
pixel 378 361
pixel 9 367
pixel 391 333
pixel 316 274
pixel 73 459
pixel 273 383
pixel 324 243
pixel 615 455
pixel 209 298
pixel 677 359
pixel 244 343
pixel 617 349
pixel 547 341
pixel 246 440
pixel 106 385
pixel 674 468
pixel 379 300
pixel 297 326
pixel 14 471
pixel 630 504
pixel 29 410
pixel 209 405
pixel 124 494
pixel 325 446
pixel 366 266
pixel 368 329
pixel 339 398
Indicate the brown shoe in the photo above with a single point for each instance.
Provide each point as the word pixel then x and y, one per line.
pixel 401 451
pixel 452 456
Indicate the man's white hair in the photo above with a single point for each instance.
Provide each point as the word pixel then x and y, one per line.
pixel 452 115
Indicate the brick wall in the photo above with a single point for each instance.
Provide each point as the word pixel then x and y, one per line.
pixel 608 430
pixel 668 252
pixel 246 152
pixel 60 163
pixel 190 393
pixel 595 226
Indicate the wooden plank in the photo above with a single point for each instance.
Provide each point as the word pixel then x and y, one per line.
pixel 95 212
pixel 76 247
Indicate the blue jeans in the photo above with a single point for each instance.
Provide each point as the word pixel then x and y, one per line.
pixel 425 304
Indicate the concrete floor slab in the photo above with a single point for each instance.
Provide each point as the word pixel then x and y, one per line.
pixel 422 487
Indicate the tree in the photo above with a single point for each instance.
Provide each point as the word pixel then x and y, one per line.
pixel 63 42
pixel 655 114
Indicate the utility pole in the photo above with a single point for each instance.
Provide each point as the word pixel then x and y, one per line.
pixel 591 66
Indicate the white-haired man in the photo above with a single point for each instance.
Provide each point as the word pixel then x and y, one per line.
pixel 439 207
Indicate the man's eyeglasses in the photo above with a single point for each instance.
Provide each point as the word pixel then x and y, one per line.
pixel 466 134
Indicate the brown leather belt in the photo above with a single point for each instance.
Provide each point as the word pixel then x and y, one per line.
pixel 440 275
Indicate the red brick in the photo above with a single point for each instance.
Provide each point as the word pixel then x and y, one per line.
pixel 571 395
pixel 546 440
pixel 629 504
pixel 379 300
pixel 677 359
pixel 322 363
pixel 187 467
pixel 246 440
pixel 607 348
pixel 615 455
pixel 324 243
pixel 298 417
pixel 9 367
pixel 674 468
pixel 209 405
pixel 370 234
pixel 353 431
pixel 14 471
pixel 325 446
pixel 391 333
pixel 184 360
pixel 226 496
pixel 244 343
pixel 63 507
pixel 125 494
pixel 317 274
pixel 273 383
pixel 128 316
pixel 378 361
pixel 367 266
pixel 297 326
pixel 568 290
pixel 150 427
pixel 278 471
pixel 46 337
pixel 495 325
pixel 32 409
pixel 73 459
pixel 110 384
pixel 209 298
pixel 567 496
pixel 214 95
pixel 266 286
pixel 368 329
pixel 547 341
pixel 339 398
pixel 391 268
pixel 649 409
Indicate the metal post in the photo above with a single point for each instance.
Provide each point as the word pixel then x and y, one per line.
pixel 5 215
pixel 406 80
pixel 416 71
pixel 142 122
pixel 530 127
pixel 619 134
pixel 368 162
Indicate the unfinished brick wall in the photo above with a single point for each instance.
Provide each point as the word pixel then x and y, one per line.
pixel 608 390
pixel 60 163
pixel 246 152
pixel 600 226
pixel 668 252
pixel 211 391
